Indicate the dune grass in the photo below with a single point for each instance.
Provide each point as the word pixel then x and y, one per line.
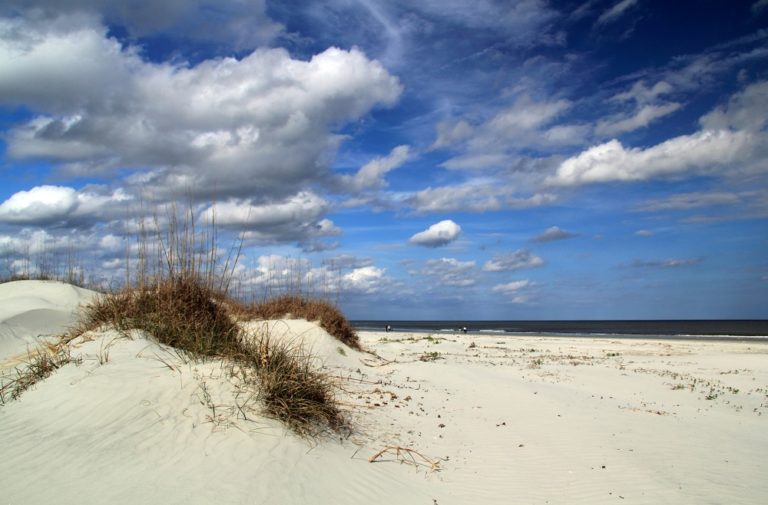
pixel 38 366
pixel 186 314
pixel 328 315
pixel 180 312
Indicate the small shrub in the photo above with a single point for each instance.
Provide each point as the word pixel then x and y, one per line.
pixel 430 356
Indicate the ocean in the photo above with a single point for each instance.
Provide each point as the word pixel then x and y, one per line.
pixel 669 329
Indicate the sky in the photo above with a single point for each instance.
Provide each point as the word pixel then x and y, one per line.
pixel 420 159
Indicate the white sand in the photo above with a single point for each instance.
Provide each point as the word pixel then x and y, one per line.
pixel 511 420
pixel 30 311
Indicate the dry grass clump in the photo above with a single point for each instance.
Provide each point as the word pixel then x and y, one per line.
pixel 291 388
pixel 179 312
pixel 188 315
pixel 39 366
pixel 330 317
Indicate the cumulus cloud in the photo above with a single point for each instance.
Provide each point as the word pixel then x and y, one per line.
pixel 450 272
pixel 298 218
pixel 616 11
pixel 513 291
pixel 367 280
pixel 276 274
pixel 259 126
pixel 706 153
pixel 42 204
pixel 437 235
pixel 371 175
pixel 60 205
pixel 232 23
pixel 731 143
pixel 516 260
pixel 552 234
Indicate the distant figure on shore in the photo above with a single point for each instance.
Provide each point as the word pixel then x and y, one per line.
pixel 464 329
pixel 389 328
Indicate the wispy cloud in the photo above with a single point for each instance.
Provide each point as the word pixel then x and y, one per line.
pixel 616 11
pixel 514 291
pixel 668 263
pixel 685 201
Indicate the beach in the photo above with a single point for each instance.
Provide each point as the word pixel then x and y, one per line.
pixel 443 418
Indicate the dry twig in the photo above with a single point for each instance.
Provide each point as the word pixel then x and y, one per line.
pixel 408 456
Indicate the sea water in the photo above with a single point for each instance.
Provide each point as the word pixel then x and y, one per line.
pixel 667 329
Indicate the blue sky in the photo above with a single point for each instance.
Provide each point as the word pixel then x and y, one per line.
pixel 518 159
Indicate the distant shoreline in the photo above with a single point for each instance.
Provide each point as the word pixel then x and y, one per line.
pixel 729 330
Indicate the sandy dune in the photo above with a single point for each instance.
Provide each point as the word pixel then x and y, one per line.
pixel 31 310
pixel 506 419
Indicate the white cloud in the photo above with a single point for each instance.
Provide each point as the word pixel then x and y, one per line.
pixel 297 218
pixel 685 201
pixel 642 94
pixel 705 152
pixel 512 290
pixel 234 23
pixel 641 118
pixel 449 134
pixel 300 208
pixel 371 175
pixel 552 234
pixel 668 263
pixel 474 196
pixel 262 125
pixel 527 115
pixel 437 235
pixel 615 12
pixel 759 6
pixel 644 233
pixel 62 205
pixel 41 204
pixel 745 110
pixel 497 144
pixel 516 260
pixel 450 272
pixel 366 280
